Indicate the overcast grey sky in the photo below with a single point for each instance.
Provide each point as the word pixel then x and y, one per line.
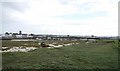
pixel 70 17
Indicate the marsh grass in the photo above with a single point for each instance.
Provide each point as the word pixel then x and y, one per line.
pixel 9 43
pixel 100 55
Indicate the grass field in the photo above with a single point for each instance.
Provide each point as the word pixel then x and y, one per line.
pixel 100 55
pixel 9 43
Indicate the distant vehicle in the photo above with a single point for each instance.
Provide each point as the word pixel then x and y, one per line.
pixel 44 45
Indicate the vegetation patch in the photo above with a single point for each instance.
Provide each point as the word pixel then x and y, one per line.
pixel 84 55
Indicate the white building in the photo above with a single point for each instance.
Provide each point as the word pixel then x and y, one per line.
pixel 18 36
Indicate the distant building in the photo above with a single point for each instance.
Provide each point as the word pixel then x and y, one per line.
pixel 20 32
pixel 30 36
pixel 18 36
pixel 6 37
pixel 24 35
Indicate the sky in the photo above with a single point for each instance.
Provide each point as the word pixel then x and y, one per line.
pixel 60 17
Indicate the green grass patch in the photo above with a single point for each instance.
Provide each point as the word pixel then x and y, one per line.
pixel 98 55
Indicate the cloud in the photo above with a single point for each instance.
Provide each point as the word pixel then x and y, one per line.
pixel 63 16
pixel 15 6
